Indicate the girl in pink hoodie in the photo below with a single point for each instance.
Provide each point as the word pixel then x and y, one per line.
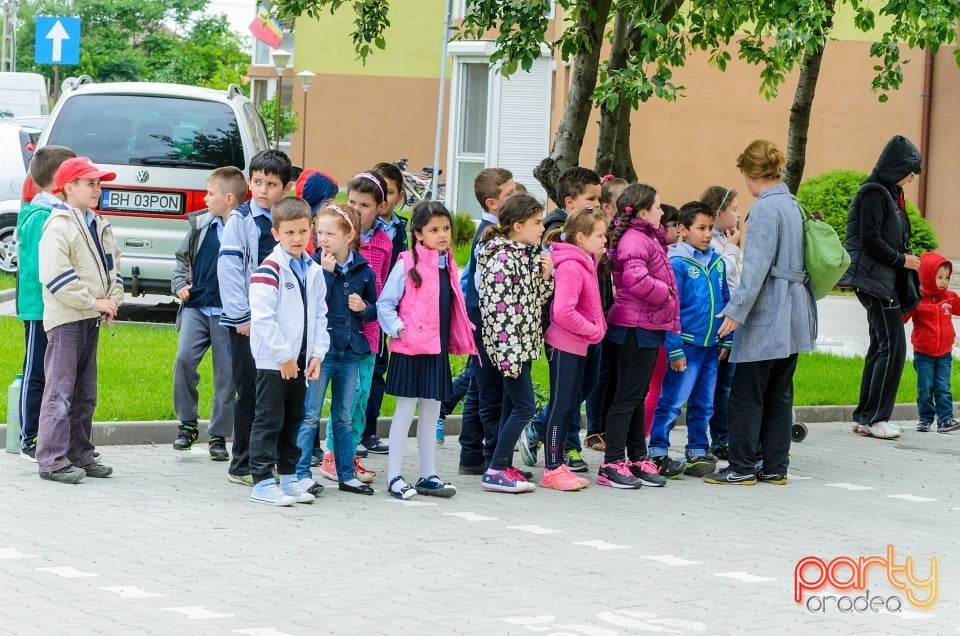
pixel 576 322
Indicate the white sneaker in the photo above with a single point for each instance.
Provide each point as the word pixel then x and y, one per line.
pixel 884 430
pixel 293 489
pixel 268 492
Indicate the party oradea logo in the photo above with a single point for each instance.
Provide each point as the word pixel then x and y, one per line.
pixel 813 577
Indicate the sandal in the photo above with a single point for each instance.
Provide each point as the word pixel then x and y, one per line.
pixel 594 441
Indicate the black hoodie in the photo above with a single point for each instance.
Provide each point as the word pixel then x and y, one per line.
pixel 878 230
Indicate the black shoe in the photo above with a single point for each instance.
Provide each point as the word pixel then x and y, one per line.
pixel 472 469
pixel 362 489
pixel 779 479
pixel 185 438
pixel 98 470
pixel 526 474
pixel 669 468
pixel 721 450
pixel 947 426
pixel 575 462
pixel 30 452
pixel 374 445
pixel 66 475
pixel 700 465
pixel 315 489
pixel 218 449
pixel 316 461
pixel 730 476
pixel 617 475
pixel 361 452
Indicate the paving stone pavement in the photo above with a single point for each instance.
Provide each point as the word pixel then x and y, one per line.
pixel 168 546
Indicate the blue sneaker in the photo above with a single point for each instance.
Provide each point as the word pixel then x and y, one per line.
pixel 441 425
pixel 268 492
pixel 509 480
pixel 435 487
pixel 400 489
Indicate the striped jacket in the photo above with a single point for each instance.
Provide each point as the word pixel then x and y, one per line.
pixel 235 264
pixel 278 316
pixel 73 271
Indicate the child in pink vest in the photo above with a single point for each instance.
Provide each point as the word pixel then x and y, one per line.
pixel 423 311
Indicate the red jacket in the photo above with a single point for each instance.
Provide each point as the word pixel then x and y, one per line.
pixel 933 332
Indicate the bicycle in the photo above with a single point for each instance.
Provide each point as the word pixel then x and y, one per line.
pixel 416 185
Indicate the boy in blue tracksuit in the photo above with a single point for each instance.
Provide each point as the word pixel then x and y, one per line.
pixel 696 351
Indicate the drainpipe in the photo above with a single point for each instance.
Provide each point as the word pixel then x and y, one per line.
pixel 927 102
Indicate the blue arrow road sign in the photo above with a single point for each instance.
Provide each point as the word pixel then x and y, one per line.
pixel 57 40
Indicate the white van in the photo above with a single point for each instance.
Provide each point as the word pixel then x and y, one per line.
pixel 23 94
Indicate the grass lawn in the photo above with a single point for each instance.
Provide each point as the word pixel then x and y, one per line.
pixel 136 374
pixel 7 281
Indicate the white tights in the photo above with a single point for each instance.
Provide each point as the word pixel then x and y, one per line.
pixel 426 435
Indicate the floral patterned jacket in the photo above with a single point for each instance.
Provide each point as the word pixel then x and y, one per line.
pixel 512 294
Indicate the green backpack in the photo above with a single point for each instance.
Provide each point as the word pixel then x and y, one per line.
pixel 824 258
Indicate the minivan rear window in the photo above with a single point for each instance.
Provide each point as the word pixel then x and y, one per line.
pixel 141 130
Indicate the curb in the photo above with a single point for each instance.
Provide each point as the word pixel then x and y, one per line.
pixel 164 431
pixel 8 294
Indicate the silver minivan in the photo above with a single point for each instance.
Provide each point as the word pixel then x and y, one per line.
pixel 162 140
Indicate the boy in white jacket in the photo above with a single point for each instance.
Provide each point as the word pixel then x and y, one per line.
pixel 288 339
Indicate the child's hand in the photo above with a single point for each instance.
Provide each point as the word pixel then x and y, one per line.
pixel 355 303
pixel 313 369
pixel 289 369
pixel 244 330
pixel 733 235
pixel 184 293
pixel 546 266
pixel 105 306
pixel 679 365
pixel 724 354
pixel 328 261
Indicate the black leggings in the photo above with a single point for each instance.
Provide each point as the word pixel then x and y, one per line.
pixel 625 430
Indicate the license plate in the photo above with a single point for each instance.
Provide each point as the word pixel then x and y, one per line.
pixel 126 200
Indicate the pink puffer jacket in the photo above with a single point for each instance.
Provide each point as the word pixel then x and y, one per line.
pixel 646 291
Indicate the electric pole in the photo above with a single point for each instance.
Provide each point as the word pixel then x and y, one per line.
pixel 8 48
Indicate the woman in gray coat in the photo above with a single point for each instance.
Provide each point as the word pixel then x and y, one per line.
pixel 773 317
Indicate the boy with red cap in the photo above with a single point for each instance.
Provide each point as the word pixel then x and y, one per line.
pixel 932 339
pixel 80 272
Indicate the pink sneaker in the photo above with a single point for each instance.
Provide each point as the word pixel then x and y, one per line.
pixel 328 467
pixel 561 479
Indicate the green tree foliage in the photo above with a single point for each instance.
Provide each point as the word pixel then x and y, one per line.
pixel 831 193
pixel 289 121
pixel 141 40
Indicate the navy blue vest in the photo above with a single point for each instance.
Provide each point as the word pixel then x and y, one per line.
pixel 205 290
pixel 267 242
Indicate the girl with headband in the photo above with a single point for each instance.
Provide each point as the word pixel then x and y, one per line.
pixel 351 298
pixel 423 311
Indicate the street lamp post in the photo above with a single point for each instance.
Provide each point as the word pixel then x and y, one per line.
pixel 306 77
pixel 280 59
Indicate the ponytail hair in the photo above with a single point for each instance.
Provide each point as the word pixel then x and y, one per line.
pixel 423 212
pixel 583 221
pixel 517 209
pixel 633 199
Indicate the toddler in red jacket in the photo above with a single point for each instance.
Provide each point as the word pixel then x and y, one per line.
pixel 932 339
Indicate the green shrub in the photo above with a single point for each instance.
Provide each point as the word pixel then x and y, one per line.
pixel 463 229
pixel 831 194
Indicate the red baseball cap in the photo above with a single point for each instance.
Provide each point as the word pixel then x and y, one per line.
pixel 79 168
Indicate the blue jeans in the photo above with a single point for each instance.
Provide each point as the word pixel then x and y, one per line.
pixel 518 409
pixel 339 367
pixel 695 386
pixel 933 387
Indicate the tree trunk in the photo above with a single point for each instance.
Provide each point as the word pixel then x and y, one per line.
pixel 610 118
pixel 613 146
pixel 797 133
pixel 568 139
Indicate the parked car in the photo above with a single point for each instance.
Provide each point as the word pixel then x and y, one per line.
pixel 16 148
pixel 162 140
